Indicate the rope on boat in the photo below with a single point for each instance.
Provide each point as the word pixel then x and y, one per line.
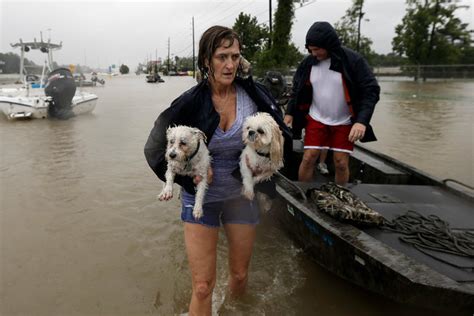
pixel 432 233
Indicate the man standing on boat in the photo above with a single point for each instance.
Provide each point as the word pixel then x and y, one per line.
pixel 334 96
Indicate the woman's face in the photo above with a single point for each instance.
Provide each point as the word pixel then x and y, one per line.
pixel 225 63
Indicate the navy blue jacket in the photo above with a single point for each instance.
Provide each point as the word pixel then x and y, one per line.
pixel 361 87
pixel 195 108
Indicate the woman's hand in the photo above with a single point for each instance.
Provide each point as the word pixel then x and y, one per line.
pixel 198 178
pixel 288 119
pixel 357 132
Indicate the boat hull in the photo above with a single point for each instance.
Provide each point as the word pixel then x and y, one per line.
pixel 360 259
pixel 372 257
pixel 36 107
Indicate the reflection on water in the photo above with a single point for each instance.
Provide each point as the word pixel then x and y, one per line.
pixel 429 126
pixel 83 234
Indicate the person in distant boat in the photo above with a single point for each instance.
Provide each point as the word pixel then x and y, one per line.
pixel 333 98
pixel 218 106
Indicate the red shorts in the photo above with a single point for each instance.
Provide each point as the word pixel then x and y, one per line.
pixel 321 136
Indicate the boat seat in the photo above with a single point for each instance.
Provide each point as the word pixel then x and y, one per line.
pixel 367 168
pixel 376 163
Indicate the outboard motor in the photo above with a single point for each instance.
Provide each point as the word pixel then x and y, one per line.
pixel 61 88
pixel 276 83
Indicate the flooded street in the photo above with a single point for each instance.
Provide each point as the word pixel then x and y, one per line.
pixel 429 126
pixel 82 233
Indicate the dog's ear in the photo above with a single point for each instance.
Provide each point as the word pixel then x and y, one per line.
pixel 276 147
pixel 200 134
pixel 168 132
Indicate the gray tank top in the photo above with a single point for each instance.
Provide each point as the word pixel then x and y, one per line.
pixel 225 149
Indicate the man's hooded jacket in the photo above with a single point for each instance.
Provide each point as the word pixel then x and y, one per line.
pixel 360 86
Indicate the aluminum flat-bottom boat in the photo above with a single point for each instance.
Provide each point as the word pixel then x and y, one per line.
pixel 376 258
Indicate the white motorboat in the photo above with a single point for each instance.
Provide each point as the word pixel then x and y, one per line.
pixel 19 103
pixel 58 98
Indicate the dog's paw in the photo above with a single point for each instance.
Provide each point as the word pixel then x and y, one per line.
pixel 165 195
pixel 249 194
pixel 197 213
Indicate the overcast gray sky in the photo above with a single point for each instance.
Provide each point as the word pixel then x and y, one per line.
pixel 101 33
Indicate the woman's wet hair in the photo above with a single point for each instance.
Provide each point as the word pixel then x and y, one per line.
pixel 211 39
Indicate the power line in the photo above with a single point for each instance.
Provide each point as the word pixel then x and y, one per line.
pixel 213 22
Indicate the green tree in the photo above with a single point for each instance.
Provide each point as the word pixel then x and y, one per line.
pixel 468 56
pixel 12 63
pixel 348 29
pixel 124 69
pixel 389 60
pixel 281 36
pixel 184 63
pixel 253 36
pixel 430 33
pixel 283 54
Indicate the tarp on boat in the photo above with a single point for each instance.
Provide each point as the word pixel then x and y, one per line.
pixel 344 205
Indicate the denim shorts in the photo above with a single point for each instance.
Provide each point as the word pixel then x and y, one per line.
pixel 234 211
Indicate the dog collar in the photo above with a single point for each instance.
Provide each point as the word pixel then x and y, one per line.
pixel 195 152
pixel 266 155
pixel 189 166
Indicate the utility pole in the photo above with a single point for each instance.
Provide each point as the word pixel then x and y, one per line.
pixel 194 56
pixel 270 18
pixel 168 56
pixel 361 15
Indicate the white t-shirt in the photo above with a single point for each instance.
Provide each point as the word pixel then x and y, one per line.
pixel 329 105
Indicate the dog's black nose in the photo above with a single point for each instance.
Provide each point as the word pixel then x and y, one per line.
pixel 172 155
pixel 251 133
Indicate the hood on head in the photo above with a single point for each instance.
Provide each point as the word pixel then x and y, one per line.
pixel 322 35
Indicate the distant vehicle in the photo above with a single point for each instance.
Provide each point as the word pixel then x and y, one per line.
pixel 81 80
pixel 278 87
pixel 154 77
pixel 95 78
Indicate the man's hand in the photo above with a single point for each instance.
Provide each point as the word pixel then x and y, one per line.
pixel 198 178
pixel 288 119
pixel 357 132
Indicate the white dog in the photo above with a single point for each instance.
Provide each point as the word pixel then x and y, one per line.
pixel 263 151
pixel 186 155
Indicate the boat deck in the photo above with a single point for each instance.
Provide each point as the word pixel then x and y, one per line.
pixel 415 276
pixel 394 200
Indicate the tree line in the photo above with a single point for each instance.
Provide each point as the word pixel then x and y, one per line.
pixel 429 34
pixel 12 65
